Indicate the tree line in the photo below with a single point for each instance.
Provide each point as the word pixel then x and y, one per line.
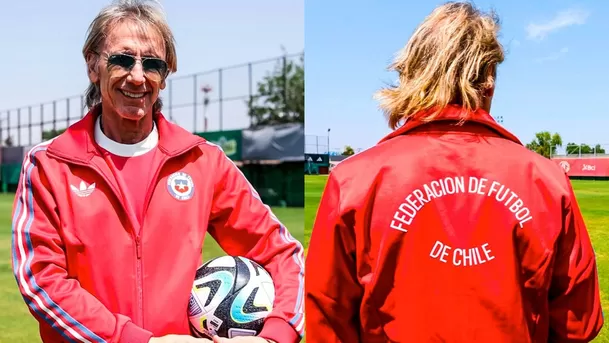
pixel 546 144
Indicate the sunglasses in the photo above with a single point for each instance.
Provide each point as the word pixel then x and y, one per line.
pixel 154 68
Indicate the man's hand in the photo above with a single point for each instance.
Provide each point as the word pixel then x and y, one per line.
pixel 249 339
pixel 178 339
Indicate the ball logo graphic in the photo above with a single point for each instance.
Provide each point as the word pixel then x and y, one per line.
pixel 180 186
pixel 565 166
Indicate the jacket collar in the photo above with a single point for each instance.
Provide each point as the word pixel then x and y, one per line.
pixel 451 115
pixel 78 142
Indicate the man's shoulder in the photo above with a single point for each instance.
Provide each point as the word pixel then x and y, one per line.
pixel 211 149
pixel 37 151
pixel 364 162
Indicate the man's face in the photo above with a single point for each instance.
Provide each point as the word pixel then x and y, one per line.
pixel 129 92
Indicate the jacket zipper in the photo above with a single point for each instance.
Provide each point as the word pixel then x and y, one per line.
pixel 136 234
pixel 139 278
pixel 138 243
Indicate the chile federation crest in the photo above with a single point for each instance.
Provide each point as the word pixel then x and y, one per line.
pixel 180 186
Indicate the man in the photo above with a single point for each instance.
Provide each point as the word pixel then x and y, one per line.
pixel 110 217
pixel 449 230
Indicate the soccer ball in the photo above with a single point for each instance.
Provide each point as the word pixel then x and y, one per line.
pixel 231 296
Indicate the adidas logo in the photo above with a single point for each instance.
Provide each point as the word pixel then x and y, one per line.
pixel 84 190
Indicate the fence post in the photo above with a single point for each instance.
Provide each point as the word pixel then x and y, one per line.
pixel 194 102
pixel 169 86
pixel 41 121
pixel 19 127
pixel 285 85
pixel 8 125
pixel 29 125
pixel 220 95
pixel 250 91
pixel 67 112
pixel 1 121
pixel 82 106
pixel 54 115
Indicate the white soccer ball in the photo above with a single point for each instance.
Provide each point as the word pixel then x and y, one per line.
pixel 231 296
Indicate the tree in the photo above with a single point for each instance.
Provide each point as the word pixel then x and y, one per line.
pixel 598 149
pixel 576 149
pixel 545 143
pixel 8 141
pixel 280 95
pixel 348 151
pixel 48 134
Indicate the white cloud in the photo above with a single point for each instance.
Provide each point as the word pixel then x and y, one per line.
pixel 539 31
pixel 554 56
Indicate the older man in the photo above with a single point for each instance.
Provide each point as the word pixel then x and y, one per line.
pixel 105 245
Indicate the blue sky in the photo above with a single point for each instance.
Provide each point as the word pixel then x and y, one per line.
pixel 554 77
pixel 42 42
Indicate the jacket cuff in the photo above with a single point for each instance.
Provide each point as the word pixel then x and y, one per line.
pixel 278 330
pixel 134 334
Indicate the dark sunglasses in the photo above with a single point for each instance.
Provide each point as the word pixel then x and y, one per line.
pixel 149 64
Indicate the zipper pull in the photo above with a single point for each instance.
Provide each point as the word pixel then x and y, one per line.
pixel 138 247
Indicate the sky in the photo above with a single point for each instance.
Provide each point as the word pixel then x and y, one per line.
pixel 42 61
pixel 554 77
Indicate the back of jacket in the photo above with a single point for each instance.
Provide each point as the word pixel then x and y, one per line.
pixel 449 233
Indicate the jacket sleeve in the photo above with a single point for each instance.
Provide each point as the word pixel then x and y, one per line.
pixel 333 292
pixel 574 303
pixel 39 266
pixel 243 226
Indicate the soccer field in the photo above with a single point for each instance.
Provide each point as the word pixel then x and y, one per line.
pixel 16 323
pixel 593 198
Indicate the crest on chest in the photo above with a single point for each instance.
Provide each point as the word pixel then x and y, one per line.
pixel 180 186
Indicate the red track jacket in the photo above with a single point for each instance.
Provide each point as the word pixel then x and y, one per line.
pixel 86 273
pixel 446 233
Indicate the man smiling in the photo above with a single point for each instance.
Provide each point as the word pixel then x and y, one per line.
pixel 110 217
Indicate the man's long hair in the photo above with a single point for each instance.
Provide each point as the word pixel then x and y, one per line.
pixel 451 58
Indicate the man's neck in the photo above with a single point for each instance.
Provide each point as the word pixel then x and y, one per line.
pixel 126 131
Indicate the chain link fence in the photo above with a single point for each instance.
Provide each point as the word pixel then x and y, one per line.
pixel 212 100
pixel 316 144
pixel 583 151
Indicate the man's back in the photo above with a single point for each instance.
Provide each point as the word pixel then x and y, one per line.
pixel 458 233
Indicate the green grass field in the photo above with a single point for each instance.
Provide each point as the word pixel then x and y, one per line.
pixel 16 323
pixel 17 326
pixel 593 198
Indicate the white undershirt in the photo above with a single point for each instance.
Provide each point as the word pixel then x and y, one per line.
pixel 126 150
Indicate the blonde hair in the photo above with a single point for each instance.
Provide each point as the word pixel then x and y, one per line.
pixel 145 13
pixel 450 59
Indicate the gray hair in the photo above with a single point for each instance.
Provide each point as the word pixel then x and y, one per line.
pixel 145 12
